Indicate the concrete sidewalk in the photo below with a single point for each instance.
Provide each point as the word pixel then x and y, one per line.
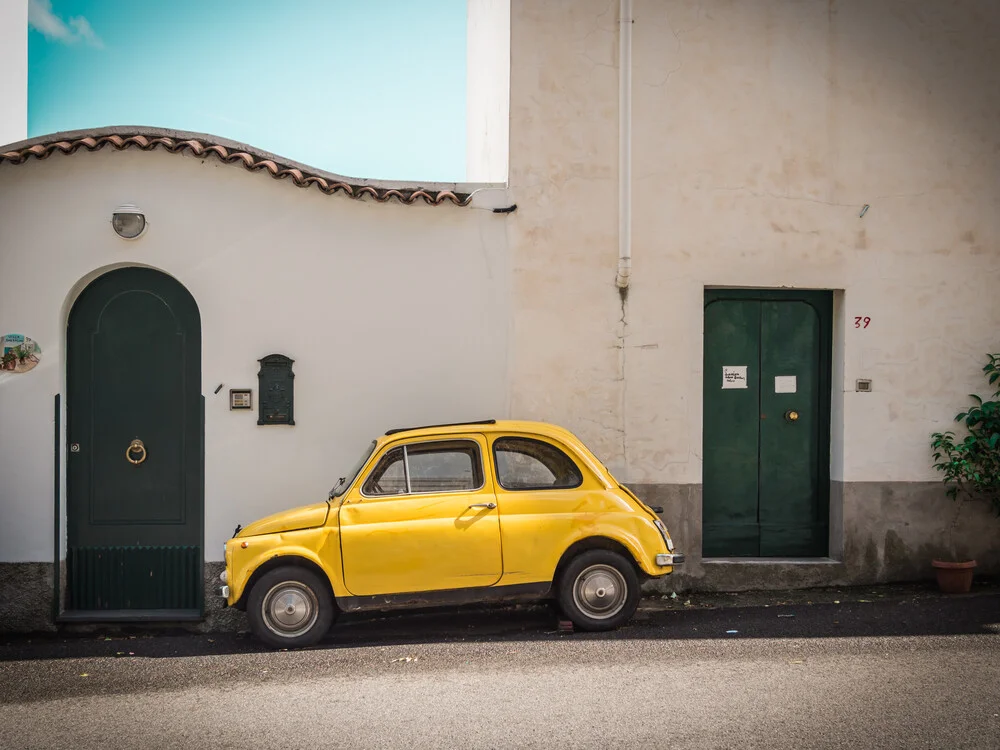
pixel 891 610
pixel 825 595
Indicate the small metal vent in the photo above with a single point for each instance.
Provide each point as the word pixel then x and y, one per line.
pixel 120 578
pixel 863 386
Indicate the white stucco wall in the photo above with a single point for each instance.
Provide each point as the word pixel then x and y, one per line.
pixel 487 90
pixel 13 70
pixel 394 315
pixel 760 129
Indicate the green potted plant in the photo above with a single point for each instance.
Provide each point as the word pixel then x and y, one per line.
pixel 971 468
pixel 17 355
pixel 9 359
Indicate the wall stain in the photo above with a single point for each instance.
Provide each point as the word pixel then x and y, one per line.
pixel 870 566
pixel 781 230
pixel 861 240
pixel 897 555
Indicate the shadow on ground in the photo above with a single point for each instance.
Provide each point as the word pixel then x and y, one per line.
pixel 899 611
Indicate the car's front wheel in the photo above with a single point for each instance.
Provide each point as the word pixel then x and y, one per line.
pixel 599 590
pixel 290 607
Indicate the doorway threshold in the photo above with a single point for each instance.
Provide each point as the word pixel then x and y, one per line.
pixel 771 560
pixel 130 615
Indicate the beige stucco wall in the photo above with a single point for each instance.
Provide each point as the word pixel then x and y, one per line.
pixel 761 128
pixel 394 315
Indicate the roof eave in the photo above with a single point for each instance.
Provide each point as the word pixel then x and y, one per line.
pixel 253 159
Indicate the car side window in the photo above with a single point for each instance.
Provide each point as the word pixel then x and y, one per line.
pixel 525 464
pixel 388 477
pixel 446 466
pixel 435 466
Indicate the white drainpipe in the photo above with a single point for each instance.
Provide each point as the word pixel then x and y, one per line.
pixel 624 144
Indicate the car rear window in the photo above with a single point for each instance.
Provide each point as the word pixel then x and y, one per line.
pixel 526 464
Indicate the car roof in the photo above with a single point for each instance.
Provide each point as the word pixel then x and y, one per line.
pixel 507 427
pixel 487 426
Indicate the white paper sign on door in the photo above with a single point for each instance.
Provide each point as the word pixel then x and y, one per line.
pixel 734 376
pixel 785 384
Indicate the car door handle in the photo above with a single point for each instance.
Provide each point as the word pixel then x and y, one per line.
pixel 489 506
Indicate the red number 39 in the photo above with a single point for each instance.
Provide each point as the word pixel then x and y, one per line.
pixel 860 322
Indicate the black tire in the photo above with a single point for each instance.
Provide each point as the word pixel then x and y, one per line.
pixel 290 607
pixel 590 590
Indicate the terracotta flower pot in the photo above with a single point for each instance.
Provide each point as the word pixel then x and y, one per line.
pixel 954 577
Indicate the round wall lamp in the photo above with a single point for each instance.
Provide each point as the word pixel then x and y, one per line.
pixel 128 221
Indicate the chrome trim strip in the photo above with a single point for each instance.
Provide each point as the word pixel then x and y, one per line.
pixel 406 469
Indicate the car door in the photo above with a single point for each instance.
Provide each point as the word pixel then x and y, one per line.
pixel 423 519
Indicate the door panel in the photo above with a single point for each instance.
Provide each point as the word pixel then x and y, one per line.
pixel 134 372
pixel 730 467
pixel 792 515
pixel 766 471
pixel 137 350
pixel 407 543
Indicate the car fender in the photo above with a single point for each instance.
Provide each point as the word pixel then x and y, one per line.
pixel 622 533
pixel 301 545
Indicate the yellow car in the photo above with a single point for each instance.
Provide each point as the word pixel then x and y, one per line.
pixel 451 514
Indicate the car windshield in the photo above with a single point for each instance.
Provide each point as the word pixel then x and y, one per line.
pixel 344 482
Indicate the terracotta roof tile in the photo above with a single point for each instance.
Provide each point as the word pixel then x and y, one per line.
pixel 231 153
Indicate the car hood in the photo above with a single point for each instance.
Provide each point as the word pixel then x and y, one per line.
pixel 306 517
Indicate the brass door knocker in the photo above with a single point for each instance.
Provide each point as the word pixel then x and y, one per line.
pixel 136 447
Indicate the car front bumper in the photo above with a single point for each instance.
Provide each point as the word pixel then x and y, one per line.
pixel 665 561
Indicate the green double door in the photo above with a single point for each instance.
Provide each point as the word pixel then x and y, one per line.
pixel 766 451
pixel 135 456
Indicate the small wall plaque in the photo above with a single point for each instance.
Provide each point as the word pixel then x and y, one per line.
pixel 734 376
pixel 18 353
pixel 785 384
pixel 276 397
pixel 240 398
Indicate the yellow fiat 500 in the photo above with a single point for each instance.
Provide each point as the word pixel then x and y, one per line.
pixel 450 514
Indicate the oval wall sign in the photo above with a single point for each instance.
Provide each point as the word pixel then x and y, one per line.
pixel 18 353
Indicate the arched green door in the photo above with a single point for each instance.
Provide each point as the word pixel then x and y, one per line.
pixel 134 509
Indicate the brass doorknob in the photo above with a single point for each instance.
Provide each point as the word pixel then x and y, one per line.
pixel 136 452
pixel 791 416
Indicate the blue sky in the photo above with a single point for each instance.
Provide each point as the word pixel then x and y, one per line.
pixel 365 88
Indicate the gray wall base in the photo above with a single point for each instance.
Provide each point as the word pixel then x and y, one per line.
pixel 880 532
pixel 26 603
pixel 26 597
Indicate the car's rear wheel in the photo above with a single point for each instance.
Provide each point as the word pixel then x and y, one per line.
pixel 290 607
pixel 599 590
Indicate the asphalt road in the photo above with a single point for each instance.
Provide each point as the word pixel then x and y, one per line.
pixel 905 672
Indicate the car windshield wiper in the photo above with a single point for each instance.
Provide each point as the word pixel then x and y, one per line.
pixel 337 486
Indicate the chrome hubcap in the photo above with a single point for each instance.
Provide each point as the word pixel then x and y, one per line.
pixel 290 609
pixel 600 591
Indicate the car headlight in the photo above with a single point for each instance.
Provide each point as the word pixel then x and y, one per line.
pixel 223 577
pixel 665 534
